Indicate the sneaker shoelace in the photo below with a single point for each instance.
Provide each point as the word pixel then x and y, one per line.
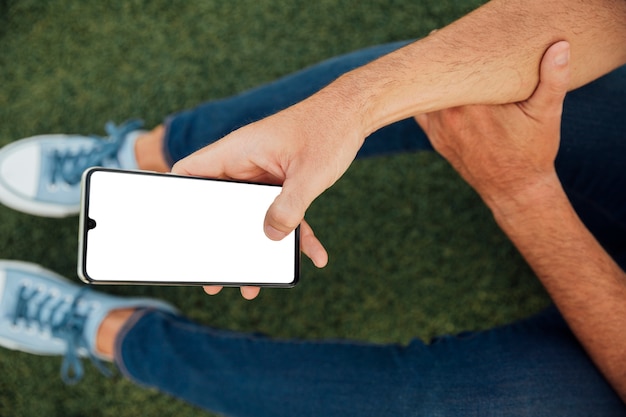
pixel 58 317
pixel 69 166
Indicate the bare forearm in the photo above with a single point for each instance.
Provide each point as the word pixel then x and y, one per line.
pixel 585 283
pixel 490 56
pixel 507 153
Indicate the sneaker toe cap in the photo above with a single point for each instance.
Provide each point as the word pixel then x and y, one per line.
pixel 19 170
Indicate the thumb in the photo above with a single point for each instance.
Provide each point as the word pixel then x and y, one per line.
pixel 554 79
pixel 288 209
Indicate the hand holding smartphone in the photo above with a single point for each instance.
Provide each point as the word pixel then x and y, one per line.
pixel 148 228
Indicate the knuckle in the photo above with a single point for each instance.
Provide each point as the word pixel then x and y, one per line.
pixel 284 219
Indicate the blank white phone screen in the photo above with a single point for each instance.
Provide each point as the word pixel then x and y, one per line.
pixel 169 229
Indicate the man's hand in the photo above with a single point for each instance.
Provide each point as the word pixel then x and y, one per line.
pixel 306 148
pixel 506 149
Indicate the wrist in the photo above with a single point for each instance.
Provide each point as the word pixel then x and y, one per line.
pixel 525 200
pixel 342 105
pixel 390 89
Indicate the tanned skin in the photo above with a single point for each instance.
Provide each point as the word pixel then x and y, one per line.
pixel 507 154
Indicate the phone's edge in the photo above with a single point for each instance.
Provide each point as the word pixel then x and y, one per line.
pixel 82 230
pixel 82 241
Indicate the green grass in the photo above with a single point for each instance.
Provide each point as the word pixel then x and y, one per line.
pixel 414 253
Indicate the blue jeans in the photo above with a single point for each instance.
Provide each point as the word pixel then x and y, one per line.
pixel 534 367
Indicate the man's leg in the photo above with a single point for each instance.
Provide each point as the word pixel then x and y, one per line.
pixel 530 368
pixel 46 314
pixel 533 367
pixel 149 151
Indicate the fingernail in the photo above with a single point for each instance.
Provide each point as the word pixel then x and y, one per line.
pixel 562 58
pixel 274 233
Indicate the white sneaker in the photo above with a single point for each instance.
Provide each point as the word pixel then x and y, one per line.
pixel 41 175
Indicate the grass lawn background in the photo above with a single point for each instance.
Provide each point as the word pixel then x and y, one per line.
pixel 414 253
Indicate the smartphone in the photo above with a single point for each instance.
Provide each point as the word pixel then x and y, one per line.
pixel 140 227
